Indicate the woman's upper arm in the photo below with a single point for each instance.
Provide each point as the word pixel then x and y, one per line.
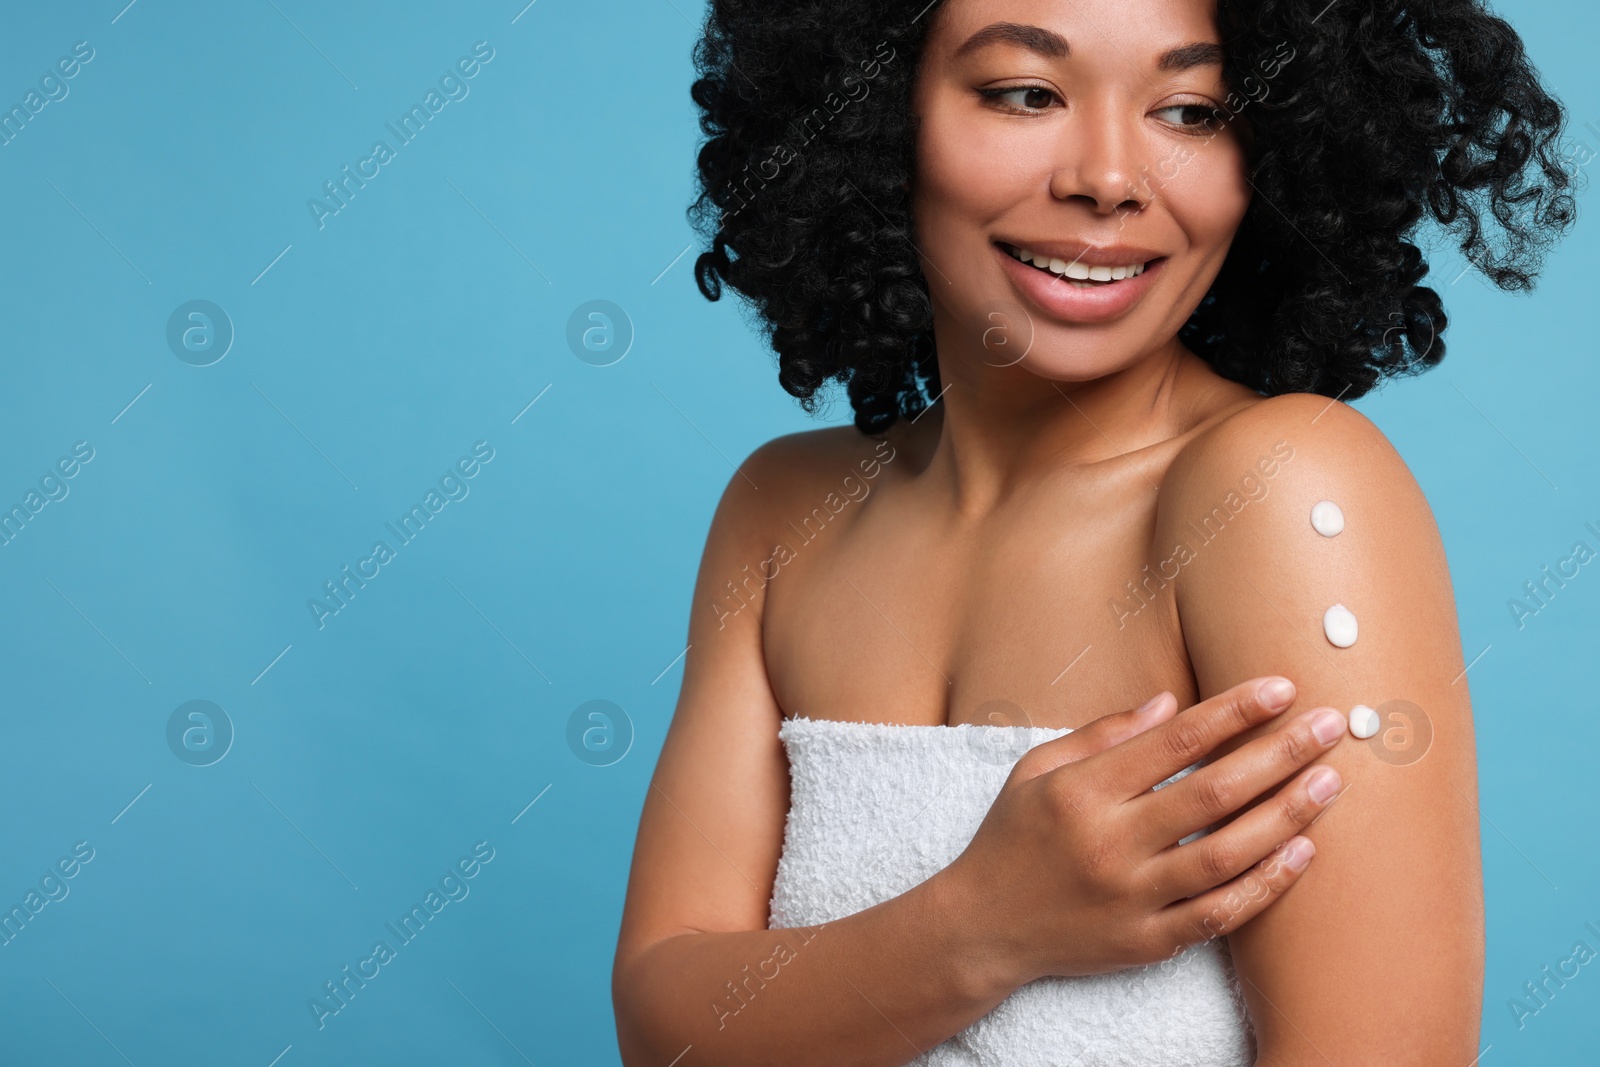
pixel 1376 954
pixel 711 828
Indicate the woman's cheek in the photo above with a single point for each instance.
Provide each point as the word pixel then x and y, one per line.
pixel 976 166
pixel 1210 190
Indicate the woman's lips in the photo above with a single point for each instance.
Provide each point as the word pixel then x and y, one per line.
pixel 1058 298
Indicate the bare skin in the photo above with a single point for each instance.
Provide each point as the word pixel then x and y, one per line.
pixel 1040 536
pixel 938 957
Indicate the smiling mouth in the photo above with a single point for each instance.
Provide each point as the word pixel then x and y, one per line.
pixel 1079 275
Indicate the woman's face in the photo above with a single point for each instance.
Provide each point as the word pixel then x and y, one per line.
pixel 1089 138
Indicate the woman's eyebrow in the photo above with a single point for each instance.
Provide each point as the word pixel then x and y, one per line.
pixel 1188 56
pixel 1034 38
pixel 1049 43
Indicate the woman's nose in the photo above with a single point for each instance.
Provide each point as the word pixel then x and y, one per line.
pixel 1098 160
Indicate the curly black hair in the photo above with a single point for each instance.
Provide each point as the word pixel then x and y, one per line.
pixel 1364 117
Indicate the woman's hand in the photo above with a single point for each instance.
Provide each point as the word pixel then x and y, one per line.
pixel 1076 867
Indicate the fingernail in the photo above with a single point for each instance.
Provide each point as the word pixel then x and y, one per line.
pixel 1328 726
pixel 1151 704
pixel 1323 784
pixel 1299 853
pixel 1276 694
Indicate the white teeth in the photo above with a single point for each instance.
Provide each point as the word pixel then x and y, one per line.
pixel 1078 271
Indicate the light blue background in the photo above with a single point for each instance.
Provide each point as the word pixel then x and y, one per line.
pixel 431 711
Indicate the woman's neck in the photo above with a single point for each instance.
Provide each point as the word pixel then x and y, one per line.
pixel 996 429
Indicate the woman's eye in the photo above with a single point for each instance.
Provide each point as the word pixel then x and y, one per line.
pixel 1021 98
pixel 1191 116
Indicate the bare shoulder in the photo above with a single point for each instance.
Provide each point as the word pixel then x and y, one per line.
pixel 776 469
pixel 1304 428
pixel 1285 496
pixel 780 480
pixel 802 460
pixel 1277 457
pixel 804 468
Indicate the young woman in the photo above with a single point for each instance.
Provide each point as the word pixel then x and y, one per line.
pixel 1099 281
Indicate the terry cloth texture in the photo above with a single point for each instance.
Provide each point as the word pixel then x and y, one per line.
pixel 878 808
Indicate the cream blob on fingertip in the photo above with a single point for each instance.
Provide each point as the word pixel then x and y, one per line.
pixel 1340 625
pixel 1363 721
pixel 1327 519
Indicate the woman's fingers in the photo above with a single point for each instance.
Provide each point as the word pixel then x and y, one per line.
pixel 1228 907
pixel 1076 812
pixel 1099 735
pixel 1195 868
pixel 1156 754
pixel 1218 789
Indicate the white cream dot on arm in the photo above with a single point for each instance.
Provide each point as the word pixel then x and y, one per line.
pixel 1327 519
pixel 1363 721
pixel 1339 623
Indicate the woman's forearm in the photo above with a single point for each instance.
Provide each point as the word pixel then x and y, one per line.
pixel 873 989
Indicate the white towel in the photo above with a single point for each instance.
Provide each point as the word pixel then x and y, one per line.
pixel 878 808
